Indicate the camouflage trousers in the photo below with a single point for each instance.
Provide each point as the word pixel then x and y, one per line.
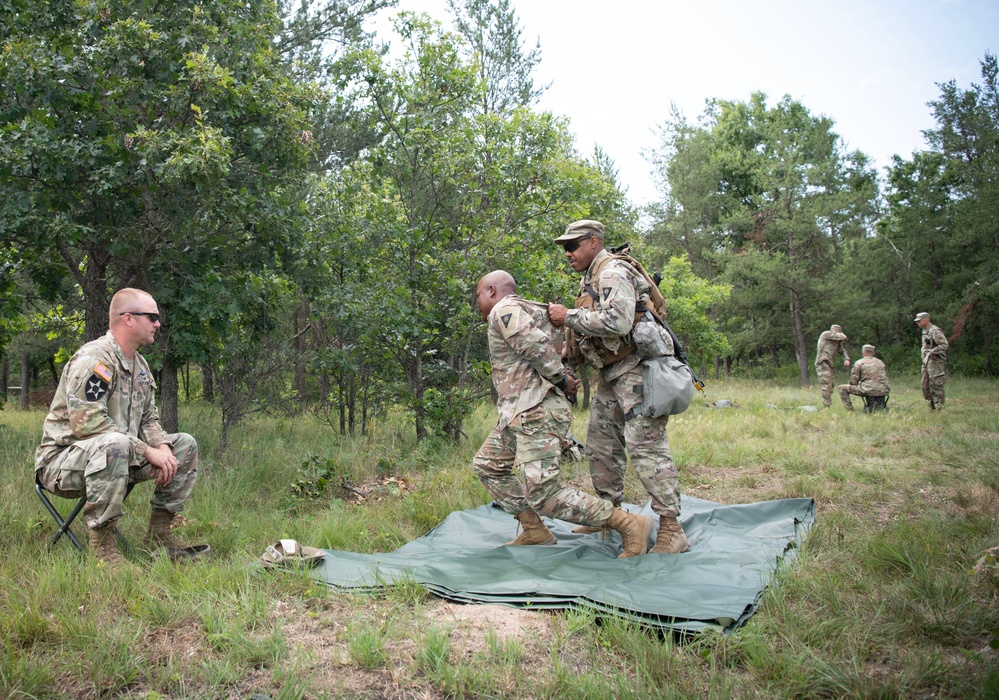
pixel 826 376
pixel 934 375
pixel 103 466
pixel 611 441
pixel 519 466
pixel 846 390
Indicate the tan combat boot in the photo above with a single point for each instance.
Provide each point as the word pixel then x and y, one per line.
pixel 670 539
pixel 534 532
pixel 159 535
pixel 104 547
pixel 635 531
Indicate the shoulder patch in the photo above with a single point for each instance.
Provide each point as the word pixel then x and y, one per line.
pixel 505 318
pixel 103 372
pixel 96 388
pixel 510 319
pixel 607 292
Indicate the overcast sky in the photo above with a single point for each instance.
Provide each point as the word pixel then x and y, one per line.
pixel 871 66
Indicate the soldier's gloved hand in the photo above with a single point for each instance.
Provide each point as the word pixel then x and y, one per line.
pixel 569 386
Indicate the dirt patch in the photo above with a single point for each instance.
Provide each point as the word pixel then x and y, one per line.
pixel 730 485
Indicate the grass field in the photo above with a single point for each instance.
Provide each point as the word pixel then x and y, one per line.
pixel 883 601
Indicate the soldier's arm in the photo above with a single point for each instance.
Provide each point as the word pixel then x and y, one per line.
pixel 88 385
pixel 151 432
pixel 855 373
pixel 941 343
pixel 531 343
pixel 614 314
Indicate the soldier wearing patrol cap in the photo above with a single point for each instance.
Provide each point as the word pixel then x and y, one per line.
pixel 103 433
pixel 934 352
pixel 599 333
pixel 868 378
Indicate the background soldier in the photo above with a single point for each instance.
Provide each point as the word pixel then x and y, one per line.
pixel 103 433
pixel 534 419
pixel 600 326
pixel 868 378
pixel 934 351
pixel 831 342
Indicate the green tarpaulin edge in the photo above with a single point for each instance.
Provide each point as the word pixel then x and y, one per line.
pixel 735 552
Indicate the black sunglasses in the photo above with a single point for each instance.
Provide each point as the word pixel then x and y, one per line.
pixel 153 318
pixel 571 246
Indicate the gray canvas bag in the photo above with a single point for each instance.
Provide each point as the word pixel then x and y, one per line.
pixel 668 386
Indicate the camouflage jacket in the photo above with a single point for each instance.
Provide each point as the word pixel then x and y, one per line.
pixel 830 343
pixel 525 363
pixel 934 344
pixel 102 392
pixel 609 319
pixel 870 375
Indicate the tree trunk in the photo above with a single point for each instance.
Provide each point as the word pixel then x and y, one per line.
pixel 168 395
pixel 207 383
pixel 25 380
pixel 801 346
pixel 95 297
pixel 4 377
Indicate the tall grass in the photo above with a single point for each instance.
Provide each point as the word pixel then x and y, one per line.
pixel 881 601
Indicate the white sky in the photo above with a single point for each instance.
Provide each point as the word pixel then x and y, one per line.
pixel 615 67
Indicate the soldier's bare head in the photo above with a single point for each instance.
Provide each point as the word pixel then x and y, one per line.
pixel 133 319
pixel 492 288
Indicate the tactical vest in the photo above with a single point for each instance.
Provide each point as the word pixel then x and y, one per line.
pixel 587 299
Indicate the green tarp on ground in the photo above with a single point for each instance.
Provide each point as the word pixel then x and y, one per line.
pixel 735 551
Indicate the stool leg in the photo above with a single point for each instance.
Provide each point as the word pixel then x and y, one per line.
pixel 64 525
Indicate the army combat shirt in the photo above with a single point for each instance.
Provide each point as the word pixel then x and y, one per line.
pixel 870 375
pixel 616 293
pixel 829 344
pixel 934 344
pixel 100 391
pixel 524 361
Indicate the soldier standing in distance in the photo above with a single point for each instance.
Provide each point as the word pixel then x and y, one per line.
pixel 610 293
pixel 534 417
pixel 868 378
pixel 934 352
pixel 103 433
pixel 831 342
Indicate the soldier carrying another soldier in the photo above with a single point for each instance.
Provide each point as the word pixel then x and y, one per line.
pixel 831 342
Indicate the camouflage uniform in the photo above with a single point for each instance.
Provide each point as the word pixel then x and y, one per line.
pixel 830 343
pixel 102 420
pixel 614 433
pixel 934 351
pixel 868 378
pixel 534 419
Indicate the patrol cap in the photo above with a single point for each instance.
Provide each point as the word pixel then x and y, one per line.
pixel 581 229
pixel 868 348
pixel 920 316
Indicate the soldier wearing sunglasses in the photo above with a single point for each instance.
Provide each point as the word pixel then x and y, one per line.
pixel 599 333
pixel 103 434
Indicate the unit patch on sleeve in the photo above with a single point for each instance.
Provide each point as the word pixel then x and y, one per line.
pixel 96 388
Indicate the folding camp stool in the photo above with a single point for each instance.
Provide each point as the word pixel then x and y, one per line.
pixel 64 525
pixel 875 403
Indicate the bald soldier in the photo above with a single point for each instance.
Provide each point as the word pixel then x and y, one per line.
pixel 830 343
pixel 519 461
pixel 610 293
pixel 103 433
pixel 934 353
pixel 868 378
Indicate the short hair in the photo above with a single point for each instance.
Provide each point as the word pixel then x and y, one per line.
pixel 124 301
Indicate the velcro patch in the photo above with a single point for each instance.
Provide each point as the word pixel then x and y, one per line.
pixel 510 322
pixel 103 372
pixel 607 292
pixel 96 388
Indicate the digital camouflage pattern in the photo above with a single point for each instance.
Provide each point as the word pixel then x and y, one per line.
pixel 830 343
pixel 934 353
pixel 525 363
pixel 101 421
pixel 867 378
pixel 610 439
pixel 602 320
pixel 534 420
